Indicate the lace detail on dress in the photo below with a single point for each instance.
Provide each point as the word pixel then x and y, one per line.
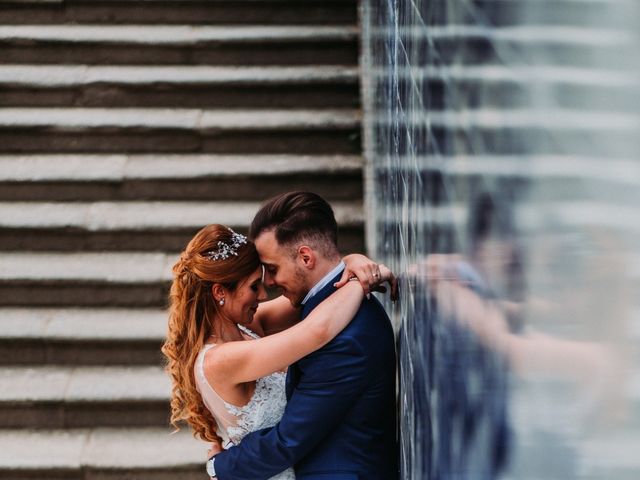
pixel 264 410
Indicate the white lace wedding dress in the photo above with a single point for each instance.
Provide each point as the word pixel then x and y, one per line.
pixel 264 410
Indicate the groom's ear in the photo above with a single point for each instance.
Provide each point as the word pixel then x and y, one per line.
pixel 307 256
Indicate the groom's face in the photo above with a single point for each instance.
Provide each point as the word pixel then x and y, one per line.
pixel 281 268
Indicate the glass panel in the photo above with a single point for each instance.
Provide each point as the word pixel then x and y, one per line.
pixel 503 184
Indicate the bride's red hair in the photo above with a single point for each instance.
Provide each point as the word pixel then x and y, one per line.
pixel 192 313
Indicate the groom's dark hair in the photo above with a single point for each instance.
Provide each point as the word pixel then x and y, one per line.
pixel 298 217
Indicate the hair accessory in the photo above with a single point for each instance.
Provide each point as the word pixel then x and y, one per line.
pixel 225 250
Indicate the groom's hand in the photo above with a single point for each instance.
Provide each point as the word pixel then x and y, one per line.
pixel 214 449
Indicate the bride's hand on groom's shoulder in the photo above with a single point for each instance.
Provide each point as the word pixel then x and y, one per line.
pixel 370 274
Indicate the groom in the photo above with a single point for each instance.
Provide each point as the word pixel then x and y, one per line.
pixel 340 419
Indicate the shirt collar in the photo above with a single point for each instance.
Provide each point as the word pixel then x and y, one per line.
pixel 324 281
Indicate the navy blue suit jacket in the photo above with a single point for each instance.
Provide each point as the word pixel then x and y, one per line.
pixel 340 419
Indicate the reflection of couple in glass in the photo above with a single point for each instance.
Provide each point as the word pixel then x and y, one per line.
pixel 305 381
pixel 489 313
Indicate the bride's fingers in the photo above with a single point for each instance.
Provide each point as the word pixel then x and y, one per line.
pixel 343 280
pixel 362 276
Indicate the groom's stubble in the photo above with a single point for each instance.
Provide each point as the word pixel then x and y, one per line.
pixel 285 271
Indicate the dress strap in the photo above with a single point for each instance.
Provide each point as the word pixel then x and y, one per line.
pixel 249 332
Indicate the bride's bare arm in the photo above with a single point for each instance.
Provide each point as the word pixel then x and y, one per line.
pixel 244 361
pixel 278 314
pixel 275 316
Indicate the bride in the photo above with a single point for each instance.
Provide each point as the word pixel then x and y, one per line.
pixel 228 348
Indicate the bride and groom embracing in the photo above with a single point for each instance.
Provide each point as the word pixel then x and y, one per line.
pixel 301 386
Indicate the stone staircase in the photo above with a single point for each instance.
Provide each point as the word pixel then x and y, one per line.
pixel 125 126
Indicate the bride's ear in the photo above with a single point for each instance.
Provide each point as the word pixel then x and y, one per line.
pixel 217 290
pixel 307 256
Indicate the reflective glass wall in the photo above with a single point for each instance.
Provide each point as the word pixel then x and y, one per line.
pixel 503 179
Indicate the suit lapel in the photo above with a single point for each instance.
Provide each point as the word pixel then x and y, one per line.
pixel 293 372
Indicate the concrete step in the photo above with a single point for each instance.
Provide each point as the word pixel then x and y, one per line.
pixel 179 130
pixel 76 397
pixel 178 45
pixel 141 226
pixel 66 177
pixel 85 279
pixel 101 454
pixel 179 86
pixel 81 336
pixel 209 12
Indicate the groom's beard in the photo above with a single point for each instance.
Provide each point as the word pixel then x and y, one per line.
pixel 298 288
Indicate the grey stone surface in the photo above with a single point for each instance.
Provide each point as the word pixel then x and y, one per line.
pixel 83 384
pixel 173 35
pixel 21 449
pixel 47 76
pixel 22 323
pixel 34 384
pixel 107 324
pixel 175 118
pixel 118 383
pixel 87 168
pixel 103 447
pixel 140 215
pixel 108 267
pixel 83 324
pixel 143 448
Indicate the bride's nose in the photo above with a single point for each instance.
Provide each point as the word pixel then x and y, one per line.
pixel 268 280
pixel 262 293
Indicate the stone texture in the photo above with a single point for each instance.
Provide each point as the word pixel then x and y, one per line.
pixel 138 449
pixel 119 168
pixel 102 447
pixel 74 75
pixel 128 268
pixel 118 383
pixel 83 384
pixel 20 449
pixel 172 35
pixel 181 119
pixel 33 384
pixel 140 215
pixel 105 324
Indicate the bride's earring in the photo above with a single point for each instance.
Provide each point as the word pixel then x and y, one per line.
pixel 221 302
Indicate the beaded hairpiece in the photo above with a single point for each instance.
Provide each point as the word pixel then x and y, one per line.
pixel 225 250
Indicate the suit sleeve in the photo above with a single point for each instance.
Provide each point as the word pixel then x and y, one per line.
pixel 332 380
